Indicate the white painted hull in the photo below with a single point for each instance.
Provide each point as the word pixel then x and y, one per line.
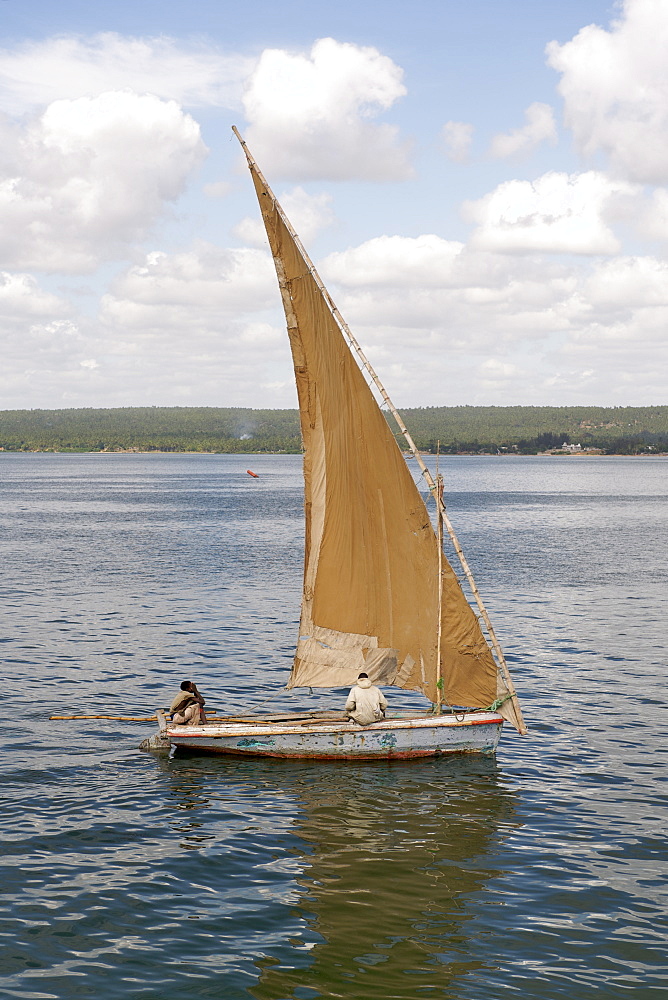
pixel 418 735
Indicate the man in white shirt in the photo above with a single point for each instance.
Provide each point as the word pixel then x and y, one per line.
pixel 366 703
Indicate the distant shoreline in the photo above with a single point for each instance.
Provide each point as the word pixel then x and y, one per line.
pixel 446 430
pixel 594 453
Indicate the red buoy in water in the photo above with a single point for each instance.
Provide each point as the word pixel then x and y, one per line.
pixel 253 474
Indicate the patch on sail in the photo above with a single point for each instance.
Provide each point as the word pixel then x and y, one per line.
pixel 311 651
pixel 339 640
pixel 404 673
pixel 342 669
pixel 381 665
pixel 337 662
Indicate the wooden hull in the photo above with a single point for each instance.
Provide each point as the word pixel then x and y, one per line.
pixel 319 739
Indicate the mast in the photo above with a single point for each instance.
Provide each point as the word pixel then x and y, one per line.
pixel 439 634
pixel 432 485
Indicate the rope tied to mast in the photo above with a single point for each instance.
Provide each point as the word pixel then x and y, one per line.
pixel 496 705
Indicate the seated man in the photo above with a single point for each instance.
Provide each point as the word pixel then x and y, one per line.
pixel 366 703
pixel 187 709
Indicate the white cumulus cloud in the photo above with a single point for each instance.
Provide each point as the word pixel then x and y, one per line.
pixel 628 284
pixel 649 218
pixel 493 371
pixel 557 213
pixel 466 324
pixel 21 298
pixel 195 290
pixel 446 293
pixel 540 127
pixel 41 339
pixel 310 115
pixel 615 89
pixel 200 325
pixel 395 261
pixel 40 357
pixel 89 177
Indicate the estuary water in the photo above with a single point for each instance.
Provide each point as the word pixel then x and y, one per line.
pixel 538 873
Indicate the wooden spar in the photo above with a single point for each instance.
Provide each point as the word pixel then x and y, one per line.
pixel 439 628
pixel 439 633
pixel 325 716
pixel 112 718
pixel 288 717
pixel 429 479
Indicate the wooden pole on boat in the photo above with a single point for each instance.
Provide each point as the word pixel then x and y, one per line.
pixel 439 633
pixel 429 479
pixel 112 718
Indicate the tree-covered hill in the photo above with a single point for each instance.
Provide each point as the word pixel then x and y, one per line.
pixel 530 429
pixel 477 429
pixel 151 428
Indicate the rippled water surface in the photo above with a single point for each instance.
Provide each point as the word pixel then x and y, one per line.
pixel 538 873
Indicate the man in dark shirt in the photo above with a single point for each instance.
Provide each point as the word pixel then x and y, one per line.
pixel 187 709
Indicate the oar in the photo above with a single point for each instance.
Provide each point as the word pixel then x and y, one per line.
pixel 112 718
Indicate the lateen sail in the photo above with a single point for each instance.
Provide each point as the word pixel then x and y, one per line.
pixel 370 598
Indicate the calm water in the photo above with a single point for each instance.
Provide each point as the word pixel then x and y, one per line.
pixel 539 873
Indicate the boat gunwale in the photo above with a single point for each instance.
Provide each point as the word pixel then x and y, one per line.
pixel 220 730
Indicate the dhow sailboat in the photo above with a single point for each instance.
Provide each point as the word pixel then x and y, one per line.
pixel 379 594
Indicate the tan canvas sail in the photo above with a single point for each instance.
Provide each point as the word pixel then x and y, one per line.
pixel 370 598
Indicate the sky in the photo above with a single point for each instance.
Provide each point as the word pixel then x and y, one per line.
pixel 482 184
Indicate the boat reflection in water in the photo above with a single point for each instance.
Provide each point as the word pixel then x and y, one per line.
pixel 380 870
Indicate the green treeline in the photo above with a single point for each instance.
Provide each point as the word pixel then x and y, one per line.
pixel 459 429
pixel 151 428
pixel 620 430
